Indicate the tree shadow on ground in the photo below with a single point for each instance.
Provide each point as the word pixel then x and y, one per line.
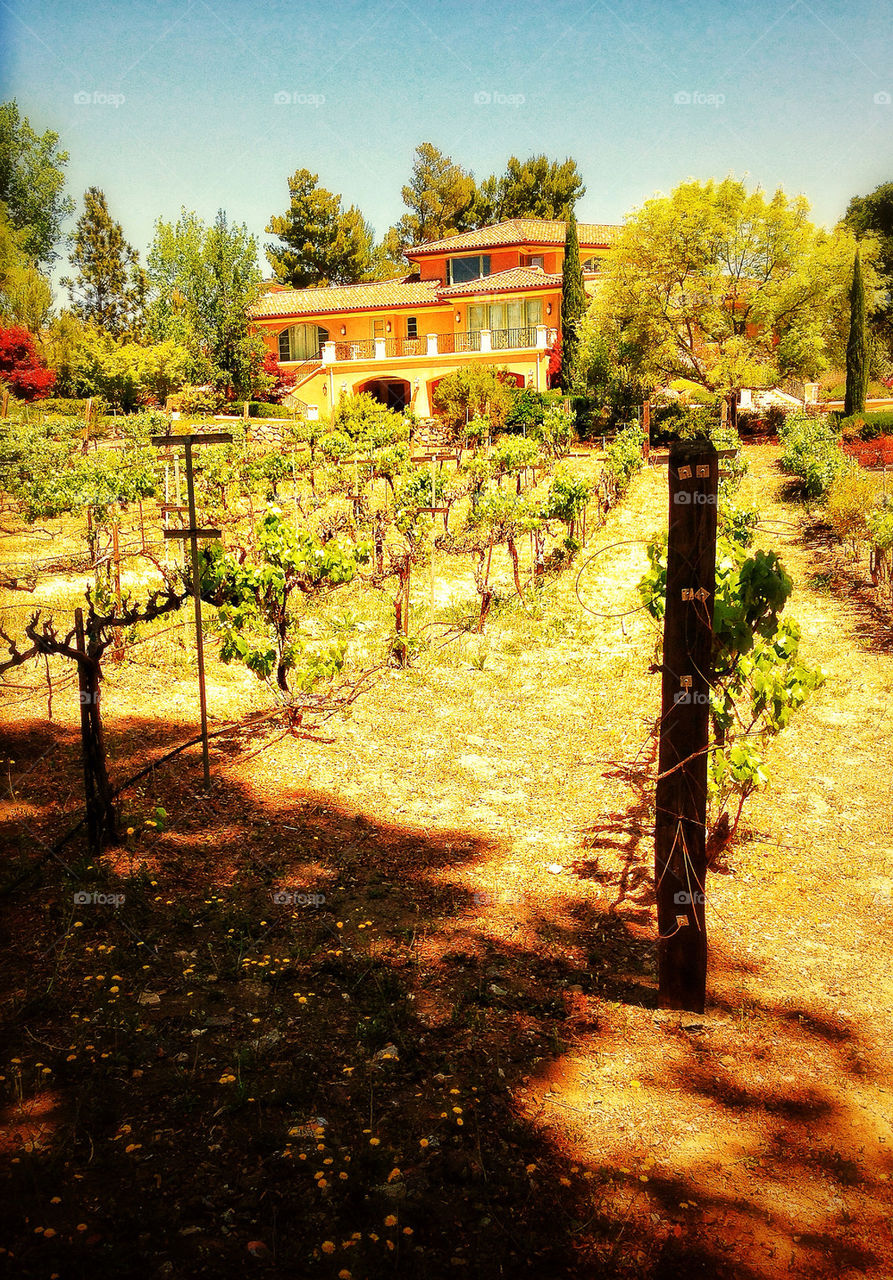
pixel 216 1079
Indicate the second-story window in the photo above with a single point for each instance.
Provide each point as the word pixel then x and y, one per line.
pixel 535 260
pixel 460 270
pixel 412 327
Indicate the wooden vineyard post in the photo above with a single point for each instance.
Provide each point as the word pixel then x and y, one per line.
pixel 102 818
pixel 432 511
pixel 680 860
pixel 118 643
pixel 433 504
pixel 193 533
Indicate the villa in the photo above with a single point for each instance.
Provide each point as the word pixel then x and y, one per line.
pixel 491 296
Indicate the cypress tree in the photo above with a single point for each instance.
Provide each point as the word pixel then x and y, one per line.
pixel 856 347
pixel 573 307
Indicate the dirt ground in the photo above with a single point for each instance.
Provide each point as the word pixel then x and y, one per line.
pixel 454 1064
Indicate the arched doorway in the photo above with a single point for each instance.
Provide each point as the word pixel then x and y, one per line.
pixel 396 393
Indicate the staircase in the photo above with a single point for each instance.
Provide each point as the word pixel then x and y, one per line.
pixel 306 371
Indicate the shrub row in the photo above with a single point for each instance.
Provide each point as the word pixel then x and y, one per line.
pixel 867 426
pixel 812 452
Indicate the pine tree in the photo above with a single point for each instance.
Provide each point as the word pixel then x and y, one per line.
pixel 856 347
pixel 573 307
pixel 440 197
pixel 110 286
pixel 321 243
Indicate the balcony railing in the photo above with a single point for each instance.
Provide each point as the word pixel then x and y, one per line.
pixel 364 349
pixel 406 347
pixel 531 337
pixel 449 344
pixel 512 339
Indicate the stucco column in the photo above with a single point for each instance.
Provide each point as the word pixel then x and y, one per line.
pixel 485 340
pixel 380 349
pixel 328 353
pixel 542 339
pixel 421 405
pixel 432 344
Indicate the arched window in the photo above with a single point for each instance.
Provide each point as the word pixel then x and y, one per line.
pixel 301 342
pixel 592 265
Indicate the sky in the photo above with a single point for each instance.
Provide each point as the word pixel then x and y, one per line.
pixel 171 103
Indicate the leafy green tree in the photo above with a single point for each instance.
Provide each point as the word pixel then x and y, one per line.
pixel 32 183
pixel 26 297
pixel 109 288
pixel 203 280
pixel 320 243
pixel 440 197
pixel 477 391
pixel 90 362
pixel 614 370
pixel 573 308
pixel 871 217
pixel 727 287
pixel 857 354
pixel 534 188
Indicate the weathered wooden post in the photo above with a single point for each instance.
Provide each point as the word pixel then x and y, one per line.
pixel 680 860
pixel 118 642
pixel 193 533
pixel 102 817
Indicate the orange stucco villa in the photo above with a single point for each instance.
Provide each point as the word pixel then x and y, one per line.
pixel 491 296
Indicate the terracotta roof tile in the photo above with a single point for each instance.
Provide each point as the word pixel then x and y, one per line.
pixel 346 297
pixel 518 231
pixel 514 278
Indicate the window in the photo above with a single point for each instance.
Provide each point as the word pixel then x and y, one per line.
pixel 301 342
pixel 519 313
pixel 460 270
pixel 592 265
pixel 412 327
pixel 536 260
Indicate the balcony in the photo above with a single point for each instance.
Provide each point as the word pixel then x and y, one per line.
pixel 531 338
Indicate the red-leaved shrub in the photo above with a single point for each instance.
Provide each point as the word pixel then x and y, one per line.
pixel 21 368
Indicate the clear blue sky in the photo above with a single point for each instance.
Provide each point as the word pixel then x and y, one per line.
pixel 782 93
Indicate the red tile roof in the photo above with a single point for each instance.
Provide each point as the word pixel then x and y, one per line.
pixel 345 297
pixel 514 278
pixel 539 231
